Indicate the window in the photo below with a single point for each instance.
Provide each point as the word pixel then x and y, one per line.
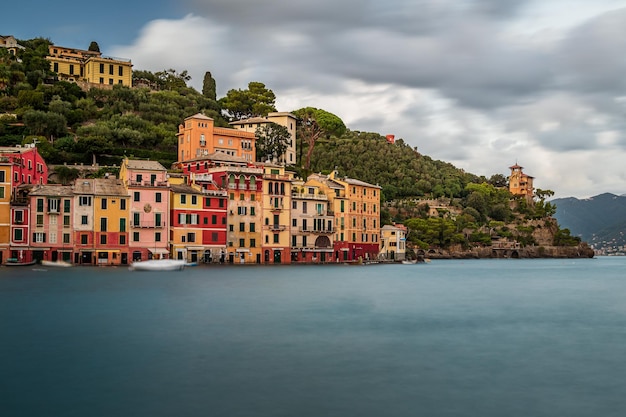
pixel 84 239
pixel 40 205
pixel 53 205
pixel 103 224
pixel 275 237
pixel 294 222
pixel 157 220
pixel 231 227
pixel 252 197
pixel 253 243
pixel 135 236
pixel 191 237
pixel 40 220
pixel 120 71
pixel 122 225
pixel 242 227
pixel 111 69
pixel 304 225
pixel 342 206
pixel 242 243
pixel 1 192
pixel 101 68
pixel 252 227
pixel 66 206
pixel 123 204
pixel 304 208
pixel 136 219
pixel 103 204
pixel 157 236
pixel 221 203
pixel 194 199
pixel 39 237
pixel 157 197
pixel 252 210
pixel 303 240
pixel 214 237
pixel 66 221
pixel 19 216
pixel 231 196
pixel 122 239
pixel 213 219
pixel 294 241
pixel 84 220
pixel 294 204
pixel 136 196
pixel 183 199
pixel 66 238
pixel 103 239
pixel 241 197
pixel 18 235
pixel 84 200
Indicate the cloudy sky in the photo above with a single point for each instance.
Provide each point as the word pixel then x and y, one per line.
pixel 482 84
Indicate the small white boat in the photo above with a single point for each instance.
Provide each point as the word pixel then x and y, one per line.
pixel 409 262
pixel 158 265
pixel 59 264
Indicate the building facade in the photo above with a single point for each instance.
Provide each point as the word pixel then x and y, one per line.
pixel 198 137
pixel 521 184
pixel 91 67
pixel 149 195
pixel 276 214
pixel 285 119
pixel 51 222
pixel 312 224
pixel 393 243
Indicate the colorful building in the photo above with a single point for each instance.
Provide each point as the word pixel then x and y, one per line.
pixel 5 207
pixel 276 214
pixel 28 167
pixel 214 221
pixel 285 119
pixel 393 242
pixel 521 184
pixel 89 67
pixel 51 222
pixel 312 224
pixel 20 224
pixel 101 222
pixel 356 205
pixel 148 188
pixel 187 214
pixel 198 137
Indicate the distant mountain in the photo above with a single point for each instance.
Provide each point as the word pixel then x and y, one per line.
pixel 599 220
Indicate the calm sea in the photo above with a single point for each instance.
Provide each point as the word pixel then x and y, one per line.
pixel 501 338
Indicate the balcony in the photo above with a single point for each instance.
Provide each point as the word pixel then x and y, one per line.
pixel 318 232
pixel 159 184
pixel 147 225
pixel 303 196
pixel 276 227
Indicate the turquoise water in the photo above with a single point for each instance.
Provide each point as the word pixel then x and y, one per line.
pixel 449 338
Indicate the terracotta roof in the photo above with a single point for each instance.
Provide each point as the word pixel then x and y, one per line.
pixel 100 186
pixel 199 116
pixel 250 120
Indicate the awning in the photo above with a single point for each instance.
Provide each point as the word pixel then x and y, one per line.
pixel 242 250
pixel 108 250
pixel 195 247
pixel 159 251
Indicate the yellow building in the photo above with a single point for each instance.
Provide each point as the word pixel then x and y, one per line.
pixel 521 184
pixel 5 208
pixel 276 214
pixel 111 209
pixel 393 243
pixel 199 137
pixel 285 119
pixel 356 205
pixel 89 68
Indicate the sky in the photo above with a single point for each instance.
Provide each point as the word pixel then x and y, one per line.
pixel 482 84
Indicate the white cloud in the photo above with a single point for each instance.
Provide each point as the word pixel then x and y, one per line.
pixel 482 84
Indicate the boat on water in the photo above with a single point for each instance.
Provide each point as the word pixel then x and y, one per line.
pixel 409 262
pixel 158 265
pixel 59 264
pixel 15 262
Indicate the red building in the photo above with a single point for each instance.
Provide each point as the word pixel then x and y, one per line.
pixel 28 165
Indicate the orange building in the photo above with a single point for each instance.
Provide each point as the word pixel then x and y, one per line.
pixel 521 184
pixel 198 137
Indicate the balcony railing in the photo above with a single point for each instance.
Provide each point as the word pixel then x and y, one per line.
pixel 276 227
pixel 147 225
pixel 321 232
pixel 147 183
pixel 321 197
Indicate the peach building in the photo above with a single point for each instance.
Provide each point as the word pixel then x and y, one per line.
pixel 285 119
pixel 521 184
pixel 198 137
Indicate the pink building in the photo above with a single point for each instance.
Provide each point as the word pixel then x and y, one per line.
pixel 148 188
